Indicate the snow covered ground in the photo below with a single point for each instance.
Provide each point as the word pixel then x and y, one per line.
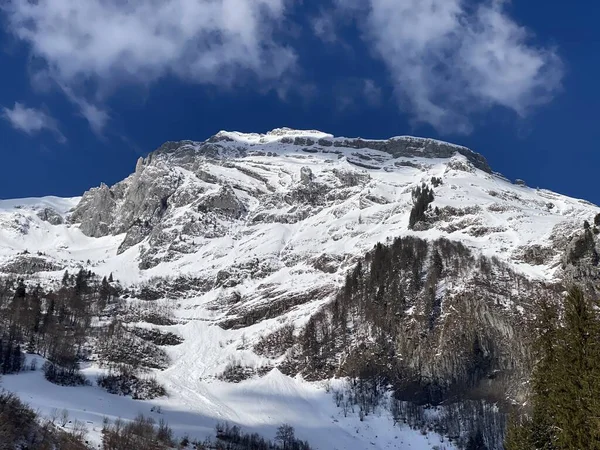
pixel 194 408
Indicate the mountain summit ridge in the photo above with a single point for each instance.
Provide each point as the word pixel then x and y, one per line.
pixel 315 141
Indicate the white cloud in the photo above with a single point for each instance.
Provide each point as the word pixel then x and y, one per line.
pixel 447 59
pixel 104 43
pixel 31 120
pixel 353 93
pixel 96 116
pixel 372 92
pixel 323 27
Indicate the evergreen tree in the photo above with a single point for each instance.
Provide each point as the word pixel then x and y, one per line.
pixel 422 197
pixel 104 290
pixel 545 381
pixel 519 435
pixel 31 344
pixel 49 314
pixel 577 396
pixel 565 382
pixel 17 359
pixel 7 361
pixel 476 442
pixel 65 279
pixel 21 291
pixel 81 282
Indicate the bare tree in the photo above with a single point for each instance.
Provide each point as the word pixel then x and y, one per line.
pixel 64 418
pixel 54 416
pixel 79 430
pixel 285 436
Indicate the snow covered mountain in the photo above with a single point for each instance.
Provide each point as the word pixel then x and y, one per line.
pixel 242 235
pixel 243 206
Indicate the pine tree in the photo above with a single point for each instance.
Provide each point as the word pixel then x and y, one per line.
pixel 577 397
pixel 544 379
pixel 104 289
pixel 519 435
pixel 565 381
pixel 31 344
pixel 7 358
pixel 80 282
pixel 422 197
pixel 17 359
pixel 437 264
pixel 476 442
pixel 49 315
pixel 21 291
pixel 65 279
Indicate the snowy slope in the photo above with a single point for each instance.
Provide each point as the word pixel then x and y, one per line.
pixel 194 407
pixel 498 218
pixel 268 218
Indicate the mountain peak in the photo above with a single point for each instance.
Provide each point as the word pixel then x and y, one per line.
pixel 226 144
pixel 275 135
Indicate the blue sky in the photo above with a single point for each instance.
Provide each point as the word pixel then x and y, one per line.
pixel 86 87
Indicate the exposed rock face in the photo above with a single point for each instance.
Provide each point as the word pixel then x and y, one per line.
pixel 410 146
pixel 306 175
pixel 51 216
pixel 137 205
pixel 536 255
pixel 96 212
pixel 147 196
pixel 223 202
pixel 581 261
pixel 186 192
pixel 133 206
pixel 137 232
pixel 28 264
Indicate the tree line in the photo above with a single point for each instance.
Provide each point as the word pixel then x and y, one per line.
pixel 54 323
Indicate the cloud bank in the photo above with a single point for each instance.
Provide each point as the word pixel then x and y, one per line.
pixel 446 60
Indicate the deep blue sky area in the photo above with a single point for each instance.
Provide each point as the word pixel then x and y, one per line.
pixel 342 82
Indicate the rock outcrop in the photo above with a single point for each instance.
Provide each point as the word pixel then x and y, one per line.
pixel 51 216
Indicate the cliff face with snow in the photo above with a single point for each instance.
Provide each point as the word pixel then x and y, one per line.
pixel 244 234
pixel 244 210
